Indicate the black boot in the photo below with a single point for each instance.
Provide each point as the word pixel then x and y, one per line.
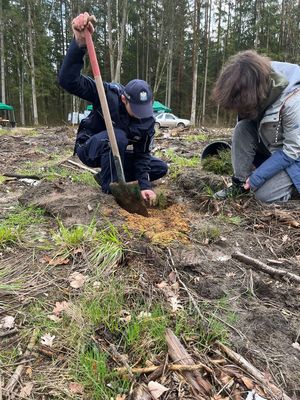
pixel 235 190
pixel 97 178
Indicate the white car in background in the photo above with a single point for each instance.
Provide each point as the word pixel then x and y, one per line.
pixel 167 120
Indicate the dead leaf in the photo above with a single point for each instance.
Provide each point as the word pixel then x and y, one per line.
pixel 121 397
pixel 77 280
pixel 47 340
pixel 258 226
pixel 126 319
pixel 53 318
pixel 170 294
pixel 156 389
pixel 28 372
pixel 7 322
pixel 59 307
pixel 78 251
pixel 285 238
pixel 224 378
pixel 247 382
pixel 76 388
pixel 59 261
pixel 55 261
pixel 236 395
pixel 26 390
pixel 175 286
pixel 175 303
pixel 172 277
pixel 162 285
pixel 144 314
pixel 296 346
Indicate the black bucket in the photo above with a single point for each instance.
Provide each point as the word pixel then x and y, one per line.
pixel 213 148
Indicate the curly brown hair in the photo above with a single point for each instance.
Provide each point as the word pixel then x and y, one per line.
pixel 244 83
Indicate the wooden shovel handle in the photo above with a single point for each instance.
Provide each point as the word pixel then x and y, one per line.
pixel 104 105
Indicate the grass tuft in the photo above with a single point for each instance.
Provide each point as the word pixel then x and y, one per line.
pixel 178 162
pixel 196 138
pixel 15 224
pixel 93 372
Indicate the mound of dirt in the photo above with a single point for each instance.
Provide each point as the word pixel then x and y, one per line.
pixel 74 203
pixel 196 181
pixel 162 226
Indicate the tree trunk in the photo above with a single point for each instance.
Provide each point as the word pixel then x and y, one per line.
pixel 32 66
pixel 2 56
pixel 208 20
pixel 121 42
pixel 110 40
pixel 196 28
pixel 21 95
pixel 159 69
pixel 170 68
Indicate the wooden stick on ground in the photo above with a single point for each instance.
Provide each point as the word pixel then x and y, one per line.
pixel 19 370
pixel 179 355
pixel 82 166
pixel 1 382
pixel 8 332
pixel 170 367
pixel 265 268
pixel 259 376
pixel 18 176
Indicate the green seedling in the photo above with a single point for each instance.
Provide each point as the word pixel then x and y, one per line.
pixel 161 201
pixel 208 233
pixel 219 164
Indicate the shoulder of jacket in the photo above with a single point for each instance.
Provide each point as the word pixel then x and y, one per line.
pixel 115 87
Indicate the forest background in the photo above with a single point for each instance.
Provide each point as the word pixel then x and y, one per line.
pixel 178 46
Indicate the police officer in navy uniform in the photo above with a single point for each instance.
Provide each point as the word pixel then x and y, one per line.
pixel 132 117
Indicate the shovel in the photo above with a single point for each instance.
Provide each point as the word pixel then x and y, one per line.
pixel 127 195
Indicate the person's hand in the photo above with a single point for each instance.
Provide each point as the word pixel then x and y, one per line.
pixel 247 184
pixel 79 24
pixel 149 196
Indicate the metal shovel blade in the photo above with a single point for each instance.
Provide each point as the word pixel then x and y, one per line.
pixel 128 196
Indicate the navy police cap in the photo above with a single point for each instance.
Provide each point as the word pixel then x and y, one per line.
pixel 140 97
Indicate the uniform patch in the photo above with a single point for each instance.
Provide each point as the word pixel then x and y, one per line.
pixel 143 96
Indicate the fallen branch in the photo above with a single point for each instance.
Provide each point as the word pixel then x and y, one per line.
pixel 259 376
pixel 265 268
pixel 170 367
pixel 18 176
pixel 284 217
pixel 1 382
pixel 8 332
pixel 179 355
pixel 82 166
pixel 19 370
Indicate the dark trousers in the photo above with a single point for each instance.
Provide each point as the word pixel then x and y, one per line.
pixel 96 152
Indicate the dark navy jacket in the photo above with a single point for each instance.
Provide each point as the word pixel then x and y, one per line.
pixel 140 132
